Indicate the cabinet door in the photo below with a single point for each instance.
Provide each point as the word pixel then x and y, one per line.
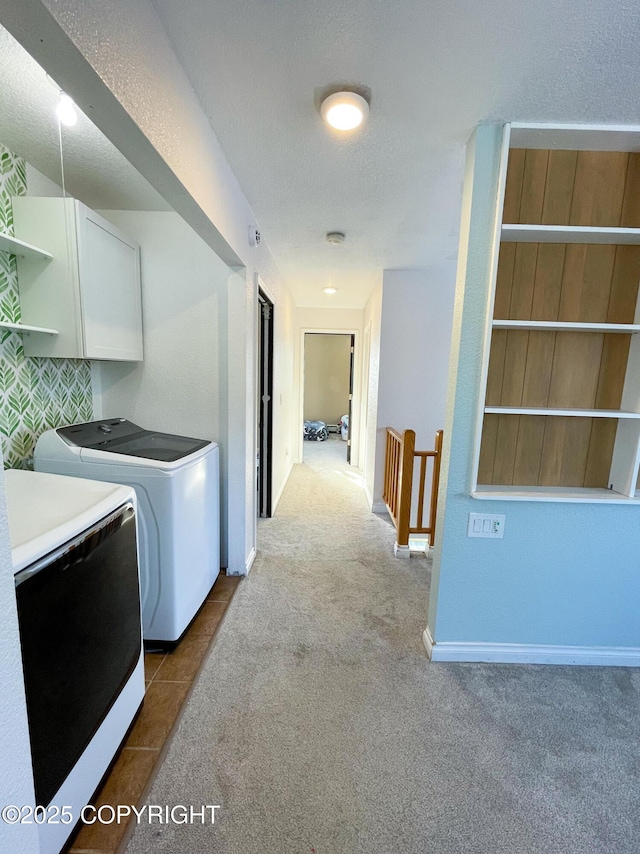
pixel 109 288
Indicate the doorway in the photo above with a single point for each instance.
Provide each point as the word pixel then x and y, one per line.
pixel 328 393
pixel 265 404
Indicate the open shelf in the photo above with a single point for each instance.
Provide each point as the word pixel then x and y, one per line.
pixel 584 495
pixel 578 413
pixel 22 327
pixel 24 250
pixel 516 233
pixel 566 326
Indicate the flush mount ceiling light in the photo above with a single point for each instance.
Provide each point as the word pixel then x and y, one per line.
pixel 66 111
pixel 344 110
pixel 335 237
pixel 330 290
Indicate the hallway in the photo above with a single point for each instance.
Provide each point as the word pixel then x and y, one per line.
pixel 318 724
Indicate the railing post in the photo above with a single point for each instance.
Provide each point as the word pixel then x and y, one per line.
pixel 386 491
pixel 405 486
pixel 434 488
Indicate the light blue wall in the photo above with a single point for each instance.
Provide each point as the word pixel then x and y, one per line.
pixel 564 574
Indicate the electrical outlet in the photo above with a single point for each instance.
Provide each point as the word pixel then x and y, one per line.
pixel 485 525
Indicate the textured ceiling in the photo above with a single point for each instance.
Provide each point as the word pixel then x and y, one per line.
pixel 435 68
pixel 94 171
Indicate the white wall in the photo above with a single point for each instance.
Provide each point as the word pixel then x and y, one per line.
pixel 41 186
pixel 415 342
pixel 182 386
pixel 16 776
pixel 327 370
pixel 327 320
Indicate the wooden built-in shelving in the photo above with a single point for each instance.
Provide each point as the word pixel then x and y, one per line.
pixel 561 413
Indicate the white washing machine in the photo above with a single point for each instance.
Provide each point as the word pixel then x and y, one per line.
pixel 73 546
pixel 176 480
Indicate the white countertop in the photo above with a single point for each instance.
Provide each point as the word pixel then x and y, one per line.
pixel 47 510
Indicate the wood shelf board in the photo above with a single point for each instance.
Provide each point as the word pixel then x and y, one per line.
pixel 522 233
pixel 567 326
pixel 23 327
pixel 24 250
pixel 578 413
pixel 579 137
pixel 578 495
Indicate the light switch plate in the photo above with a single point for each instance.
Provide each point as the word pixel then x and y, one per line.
pixel 486 525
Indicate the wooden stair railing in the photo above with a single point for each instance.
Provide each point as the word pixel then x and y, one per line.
pixel 400 455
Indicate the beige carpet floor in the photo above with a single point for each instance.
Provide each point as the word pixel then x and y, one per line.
pixel 320 727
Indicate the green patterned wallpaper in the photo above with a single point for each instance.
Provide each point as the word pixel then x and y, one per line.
pixel 35 394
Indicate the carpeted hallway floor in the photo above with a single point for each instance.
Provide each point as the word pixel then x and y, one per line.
pixel 320 727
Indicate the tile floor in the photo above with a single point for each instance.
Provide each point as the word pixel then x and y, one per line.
pixel 168 678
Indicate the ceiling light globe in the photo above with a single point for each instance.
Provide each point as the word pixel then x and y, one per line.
pixel 344 110
pixel 330 290
pixel 66 111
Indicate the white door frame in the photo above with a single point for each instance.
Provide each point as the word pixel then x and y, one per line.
pixel 357 388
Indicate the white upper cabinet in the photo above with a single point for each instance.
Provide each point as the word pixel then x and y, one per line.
pixel 89 291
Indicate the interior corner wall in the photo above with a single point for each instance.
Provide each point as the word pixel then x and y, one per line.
pixel 565 575
pixel 284 433
pixel 371 373
pixel 237 373
pixel 16 775
pixel 415 343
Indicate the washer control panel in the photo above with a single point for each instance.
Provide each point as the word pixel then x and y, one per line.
pixel 93 433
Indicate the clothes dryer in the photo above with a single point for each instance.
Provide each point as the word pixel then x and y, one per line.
pixel 73 545
pixel 176 479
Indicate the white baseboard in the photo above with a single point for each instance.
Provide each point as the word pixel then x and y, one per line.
pixel 376 506
pixel 367 494
pixel 275 501
pixel 250 559
pixel 428 642
pixel 514 653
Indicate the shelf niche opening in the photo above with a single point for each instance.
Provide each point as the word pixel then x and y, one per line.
pixel 546 450
pixel 592 364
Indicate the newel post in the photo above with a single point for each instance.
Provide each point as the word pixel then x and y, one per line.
pixel 405 486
